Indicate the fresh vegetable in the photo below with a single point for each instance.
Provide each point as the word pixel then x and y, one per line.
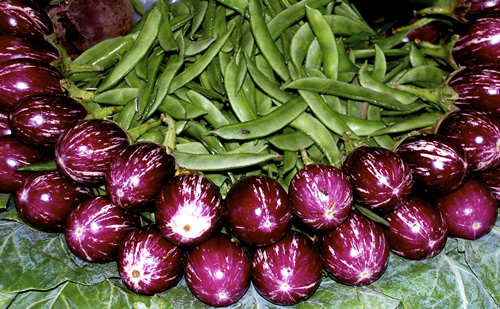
pixel 479 135
pixel 438 164
pixel 492 179
pixel 46 199
pixel 188 209
pixel 416 230
pixel 39 120
pixel 136 175
pixel 288 271
pixel 95 229
pixel 381 180
pixel 84 152
pixel 13 155
pixel 356 252
pixel 321 196
pixel 16 46
pixel 80 24
pixel 218 271
pixel 477 87
pixel 25 77
pixel 470 211
pixel 23 17
pixel 4 124
pixel 148 263
pixel 258 210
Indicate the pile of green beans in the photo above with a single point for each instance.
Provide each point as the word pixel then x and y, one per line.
pixel 250 86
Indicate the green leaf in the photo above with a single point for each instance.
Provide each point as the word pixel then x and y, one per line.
pixel 36 260
pixel 4 200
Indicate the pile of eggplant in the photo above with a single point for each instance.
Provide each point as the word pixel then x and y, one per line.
pixel 127 194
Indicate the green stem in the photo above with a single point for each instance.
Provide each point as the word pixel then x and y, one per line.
pixel 171 136
pixel 134 133
pixel 104 112
pixel 442 96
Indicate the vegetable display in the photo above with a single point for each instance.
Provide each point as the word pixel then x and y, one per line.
pixel 246 153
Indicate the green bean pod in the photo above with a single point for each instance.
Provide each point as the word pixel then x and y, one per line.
pixel 220 162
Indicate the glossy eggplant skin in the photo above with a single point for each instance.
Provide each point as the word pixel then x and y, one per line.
pixel 258 210
pixel 478 87
pixel 137 174
pixel 188 209
pixel 381 180
pixel 470 211
pixel 417 230
pixel 46 199
pixel 40 120
pixel 288 271
pixel 4 124
pixel 321 196
pixel 25 77
pixel 148 263
pixel 478 43
pixel 15 47
pixel 438 164
pixel 479 135
pixel 95 229
pixel 492 179
pixel 355 253
pixel 13 155
pixel 218 271
pixel 85 151
pixel 479 8
pixel 23 17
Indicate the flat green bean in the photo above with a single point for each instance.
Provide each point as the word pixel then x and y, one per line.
pixel 237 100
pixel 265 125
pixel 214 116
pixel 269 87
pixel 412 122
pixel 292 141
pixel 220 162
pixel 117 96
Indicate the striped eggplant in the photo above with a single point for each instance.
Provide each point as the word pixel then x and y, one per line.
pixel 381 180
pixel 258 210
pixel 85 151
pixel 479 42
pixel 321 196
pixel 95 229
pixel 438 164
pixel 40 120
pixel 25 77
pixel 355 253
pixel 479 135
pixel 148 263
pixel 417 230
pixel 46 199
pixel 470 212
pixel 492 179
pixel 4 124
pixel 137 174
pixel 479 8
pixel 478 87
pixel 15 47
pixel 188 209
pixel 23 17
pixel 218 271
pixel 288 271
pixel 13 155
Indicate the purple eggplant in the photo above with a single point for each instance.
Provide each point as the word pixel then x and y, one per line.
pixel 479 8
pixel 25 77
pixel 417 230
pixel 438 163
pixel 40 120
pixel 470 211
pixel 46 199
pixel 188 209
pixel 13 155
pixel 380 178
pixel 492 179
pixel 218 271
pixel 4 124
pixel 479 135
pixel 137 174
pixel 478 43
pixel 15 46
pixel 148 263
pixel 478 87
pixel 321 196
pixel 355 253
pixel 23 17
pixel 288 271
pixel 258 210
pixel 85 151
pixel 96 227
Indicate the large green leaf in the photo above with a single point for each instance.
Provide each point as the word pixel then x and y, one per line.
pixel 36 260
